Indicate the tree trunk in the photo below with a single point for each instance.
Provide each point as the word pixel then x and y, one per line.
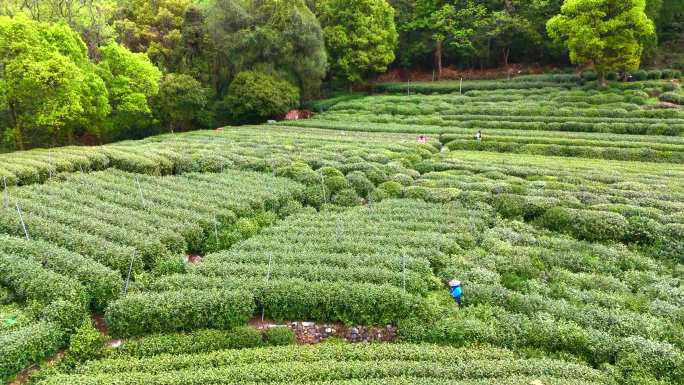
pixel 438 59
pixel 602 79
pixel 18 136
pixel 506 52
pixel 70 136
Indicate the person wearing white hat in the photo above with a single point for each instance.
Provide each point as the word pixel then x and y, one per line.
pixel 456 290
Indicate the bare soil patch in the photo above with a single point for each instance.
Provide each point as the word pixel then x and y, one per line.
pixel 309 333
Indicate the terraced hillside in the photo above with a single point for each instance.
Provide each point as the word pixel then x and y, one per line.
pixel 565 225
pixel 557 121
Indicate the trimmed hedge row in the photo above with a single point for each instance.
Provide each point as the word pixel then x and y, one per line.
pixel 296 299
pixel 579 139
pixel 214 151
pixel 36 166
pixel 197 341
pixel 414 282
pixel 100 283
pixel 349 303
pixel 332 363
pixel 30 282
pixel 22 347
pixel 496 119
pixel 449 87
pixel 599 151
pixel 633 356
pixel 145 313
pixel 589 225
pixel 100 250
pixel 407 380
pixel 333 370
pixel 672 97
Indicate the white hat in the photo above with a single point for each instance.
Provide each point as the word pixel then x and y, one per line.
pixel 454 282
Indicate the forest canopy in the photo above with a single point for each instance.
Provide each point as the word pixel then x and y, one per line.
pixel 93 71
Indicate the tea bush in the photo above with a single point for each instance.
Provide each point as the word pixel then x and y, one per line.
pixel 138 314
pixel 86 344
pixel 30 282
pixel 337 364
pixel 254 97
pixel 672 97
pixel 586 224
pixel 28 345
pixel 100 283
pixel 279 336
pixel 198 341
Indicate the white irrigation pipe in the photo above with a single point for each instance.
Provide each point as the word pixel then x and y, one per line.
pixel 325 197
pixel 142 198
pixel 270 264
pixel 23 225
pixel 403 270
pixel 268 277
pixel 130 270
pixel 216 232
pixel 50 164
pixel 5 193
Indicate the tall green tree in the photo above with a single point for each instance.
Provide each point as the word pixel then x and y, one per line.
pixel 360 36
pixel 254 97
pixel 228 22
pixel 414 44
pixel 181 103
pixel 132 81
pixel 300 37
pixel 49 88
pixel 197 50
pixel 670 20
pixel 153 27
pixel 448 23
pixel 279 36
pixel 519 24
pixel 608 33
pixel 90 18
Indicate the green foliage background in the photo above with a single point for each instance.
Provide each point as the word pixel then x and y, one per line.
pixel 96 71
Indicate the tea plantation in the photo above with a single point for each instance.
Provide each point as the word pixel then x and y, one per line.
pixel 564 223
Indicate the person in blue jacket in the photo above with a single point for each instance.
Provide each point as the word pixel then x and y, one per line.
pixel 456 290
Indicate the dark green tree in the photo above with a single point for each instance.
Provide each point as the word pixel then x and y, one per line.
pixel 181 103
pixel 153 27
pixel 90 18
pixel 254 97
pixel 453 24
pixel 273 36
pixel 608 33
pixel 132 80
pixel 49 88
pixel 360 36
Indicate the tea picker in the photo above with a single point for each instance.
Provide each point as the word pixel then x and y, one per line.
pixel 456 291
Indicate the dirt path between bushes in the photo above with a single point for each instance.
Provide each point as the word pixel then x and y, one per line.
pixel 308 333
